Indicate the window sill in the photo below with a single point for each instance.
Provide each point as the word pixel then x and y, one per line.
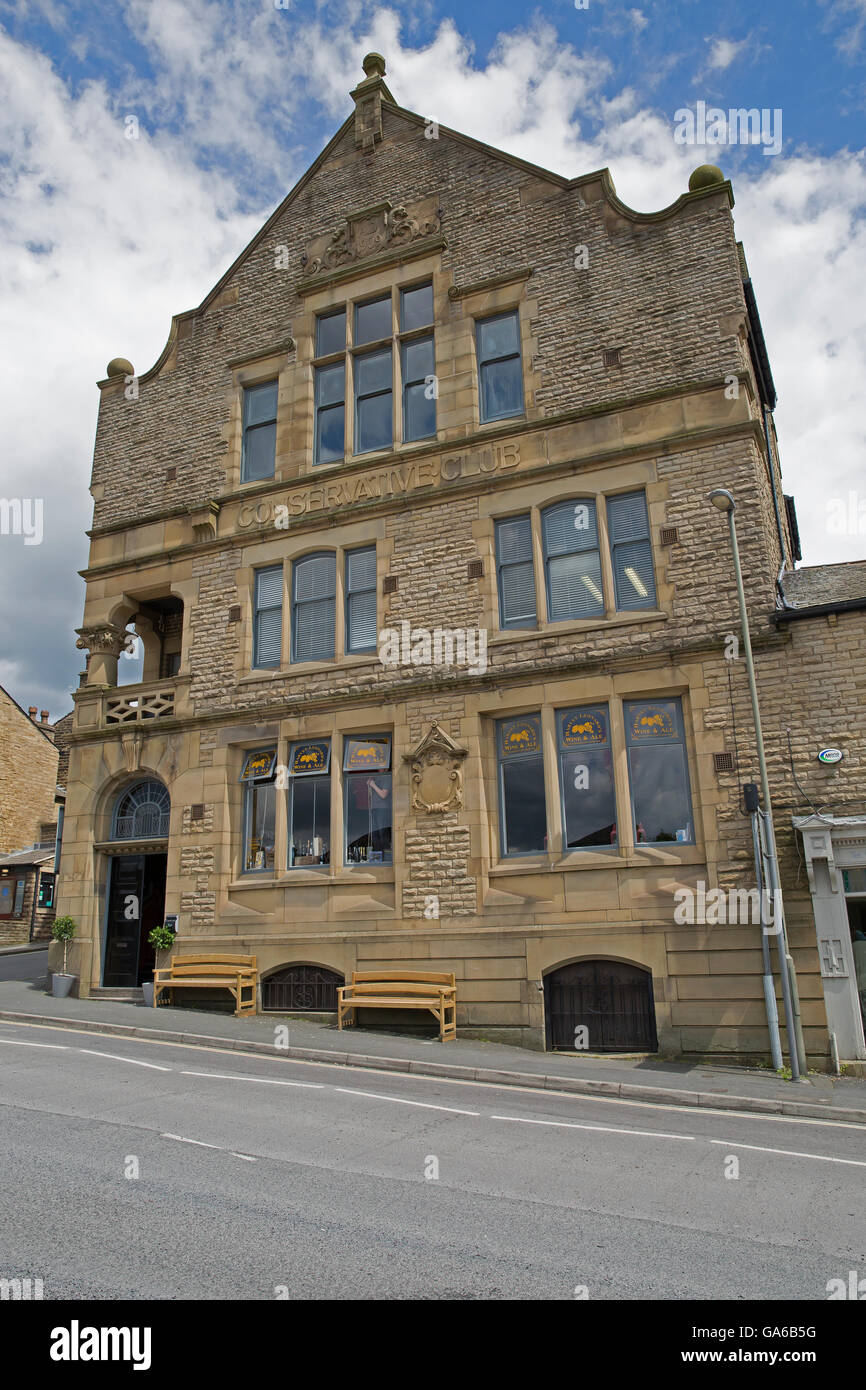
pixel 633 857
pixel 547 629
pixel 307 668
pixel 306 878
pixel 365 873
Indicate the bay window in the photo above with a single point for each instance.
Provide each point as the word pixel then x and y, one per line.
pixel 522 815
pixel 259 831
pixel 658 772
pixel 309 808
pixel 367 799
pixel 586 777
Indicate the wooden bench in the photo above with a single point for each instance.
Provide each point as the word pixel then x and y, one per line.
pixel 238 974
pixel 402 989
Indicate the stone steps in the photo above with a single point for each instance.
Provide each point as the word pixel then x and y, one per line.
pixel 103 992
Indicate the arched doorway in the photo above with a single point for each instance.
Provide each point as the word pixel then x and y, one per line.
pixel 612 999
pixel 301 989
pixel 136 886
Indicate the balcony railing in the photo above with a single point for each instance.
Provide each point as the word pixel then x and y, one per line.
pixel 134 709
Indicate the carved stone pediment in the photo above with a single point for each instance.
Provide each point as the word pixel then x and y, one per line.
pixel 370 232
pixel 436 770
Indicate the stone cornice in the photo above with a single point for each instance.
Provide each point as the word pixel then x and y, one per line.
pixel 506 431
pixel 663 652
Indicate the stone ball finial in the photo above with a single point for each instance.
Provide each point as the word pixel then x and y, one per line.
pixel 119 366
pixel 374 65
pixel 706 176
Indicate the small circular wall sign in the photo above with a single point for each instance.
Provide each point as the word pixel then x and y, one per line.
pixel 830 755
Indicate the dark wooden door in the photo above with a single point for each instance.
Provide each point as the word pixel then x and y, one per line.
pixel 611 999
pixel 123 929
pixel 136 903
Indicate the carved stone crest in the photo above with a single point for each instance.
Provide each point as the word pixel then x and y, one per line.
pixel 436 771
pixel 369 232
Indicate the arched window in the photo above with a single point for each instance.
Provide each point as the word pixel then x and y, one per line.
pixel 142 812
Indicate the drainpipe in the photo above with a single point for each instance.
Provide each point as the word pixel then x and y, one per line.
pixel 796 1047
pixel 781 534
pixel 58 842
pixel 751 792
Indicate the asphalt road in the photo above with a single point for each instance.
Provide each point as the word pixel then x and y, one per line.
pixel 261 1178
pixel 24 965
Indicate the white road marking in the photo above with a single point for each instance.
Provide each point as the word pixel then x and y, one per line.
pixel 114 1057
pixel 200 1144
pixel 262 1080
pixel 56 1047
pixel 550 1094
pixel 604 1129
pixel 791 1153
pixel 398 1100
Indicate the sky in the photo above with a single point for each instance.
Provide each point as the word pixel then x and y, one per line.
pixel 143 143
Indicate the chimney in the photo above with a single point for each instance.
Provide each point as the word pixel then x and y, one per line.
pixel 31 710
pixel 368 96
pixel 43 716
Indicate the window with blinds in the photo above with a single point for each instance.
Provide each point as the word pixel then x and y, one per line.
pixel 631 551
pixel 515 571
pixel 268 617
pixel 314 594
pixel 572 564
pixel 361 627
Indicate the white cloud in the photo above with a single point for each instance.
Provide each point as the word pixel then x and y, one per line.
pixel 723 52
pixel 850 17
pixel 104 238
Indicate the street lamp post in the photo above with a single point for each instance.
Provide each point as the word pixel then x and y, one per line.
pixel 724 501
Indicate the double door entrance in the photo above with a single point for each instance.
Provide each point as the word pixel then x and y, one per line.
pixel 136 904
pixel 600 1006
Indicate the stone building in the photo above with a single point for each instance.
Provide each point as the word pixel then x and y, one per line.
pixel 29 800
pixel 411 517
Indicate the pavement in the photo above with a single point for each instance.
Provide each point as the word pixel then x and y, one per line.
pixel 290 1036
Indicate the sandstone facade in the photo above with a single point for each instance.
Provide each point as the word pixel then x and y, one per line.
pixel 642 372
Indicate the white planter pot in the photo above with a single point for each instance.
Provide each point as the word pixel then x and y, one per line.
pixel 61 985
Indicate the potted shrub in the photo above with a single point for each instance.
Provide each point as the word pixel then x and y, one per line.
pixel 161 939
pixel 64 929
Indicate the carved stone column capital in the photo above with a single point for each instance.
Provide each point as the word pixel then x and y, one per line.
pixel 101 639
